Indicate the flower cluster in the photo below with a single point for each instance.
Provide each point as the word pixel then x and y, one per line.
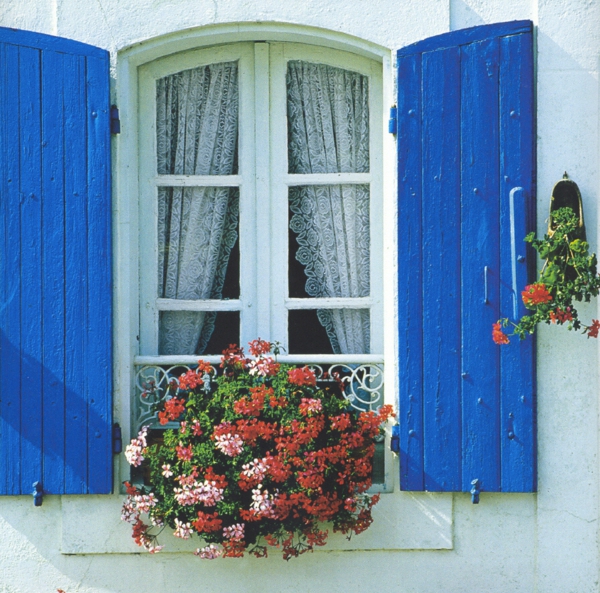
pixel 569 275
pixel 261 459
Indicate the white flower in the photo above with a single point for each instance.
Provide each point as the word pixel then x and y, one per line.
pixel 210 552
pixel 234 532
pixel 229 444
pixel 134 451
pixel 182 530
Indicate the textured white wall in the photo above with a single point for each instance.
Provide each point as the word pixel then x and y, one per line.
pixel 520 543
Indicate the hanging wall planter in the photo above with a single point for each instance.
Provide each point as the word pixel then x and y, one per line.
pixel 568 275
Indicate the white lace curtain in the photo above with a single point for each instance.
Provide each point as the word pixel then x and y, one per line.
pixel 328 132
pixel 197 121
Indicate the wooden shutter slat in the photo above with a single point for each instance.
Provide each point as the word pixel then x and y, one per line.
pixel 10 266
pixel 441 269
pixel 31 270
pixel 516 220
pixel 51 258
pixel 76 280
pixel 480 230
pixel 410 287
pixel 99 336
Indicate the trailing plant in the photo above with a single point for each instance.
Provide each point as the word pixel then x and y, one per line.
pixel 568 276
pixel 263 456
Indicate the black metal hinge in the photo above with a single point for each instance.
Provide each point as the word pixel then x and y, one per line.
pixel 117 438
pixel 395 440
pixel 393 123
pixel 115 122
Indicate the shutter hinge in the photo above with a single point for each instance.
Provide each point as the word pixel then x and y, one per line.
pixel 38 494
pixel 393 123
pixel 115 122
pixel 395 440
pixel 117 438
pixel 475 490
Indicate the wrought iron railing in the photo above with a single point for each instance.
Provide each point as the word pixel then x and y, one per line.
pixel 362 383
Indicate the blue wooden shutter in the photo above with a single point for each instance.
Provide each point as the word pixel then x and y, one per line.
pixel 55 266
pixel 466 163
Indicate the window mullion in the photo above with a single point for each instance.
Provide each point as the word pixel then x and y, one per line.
pixel 279 189
pixel 248 245
pixel 262 270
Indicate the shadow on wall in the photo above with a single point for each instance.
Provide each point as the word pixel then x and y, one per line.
pixel 50 431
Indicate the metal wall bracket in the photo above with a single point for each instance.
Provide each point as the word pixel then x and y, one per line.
pixel 475 490
pixel 38 494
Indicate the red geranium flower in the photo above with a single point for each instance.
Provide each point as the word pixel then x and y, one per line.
pixel 536 294
pixel 592 331
pixel 498 335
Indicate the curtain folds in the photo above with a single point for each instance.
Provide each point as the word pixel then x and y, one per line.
pixel 328 132
pixel 197 121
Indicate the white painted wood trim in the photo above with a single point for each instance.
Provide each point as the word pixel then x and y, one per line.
pixel 198 180
pixel 262 270
pixel 199 305
pixel 327 179
pixel 247 171
pixel 230 33
pixel 280 203
pixel 329 303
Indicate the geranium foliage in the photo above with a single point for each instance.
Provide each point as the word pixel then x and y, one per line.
pixel 263 457
pixel 568 276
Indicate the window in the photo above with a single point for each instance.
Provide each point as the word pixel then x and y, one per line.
pixel 260 201
pixel 260 212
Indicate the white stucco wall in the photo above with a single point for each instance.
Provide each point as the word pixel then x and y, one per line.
pixel 547 542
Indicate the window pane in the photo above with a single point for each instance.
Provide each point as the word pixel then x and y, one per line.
pixel 197 332
pixel 197 121
pixel 329 331
pixel 328 119
pixel 197 231
pixel 329 241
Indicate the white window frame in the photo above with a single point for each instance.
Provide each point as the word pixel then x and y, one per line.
pixel 263 181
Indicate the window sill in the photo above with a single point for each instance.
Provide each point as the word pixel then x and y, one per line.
pixel 402 521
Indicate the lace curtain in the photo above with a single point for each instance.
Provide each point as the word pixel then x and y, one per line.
pixel 197 121
pixel 328 132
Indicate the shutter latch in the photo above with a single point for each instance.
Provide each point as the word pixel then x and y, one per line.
pixel 393 123
pixel 38 494
pixel 117 438
pixel 475 490
pixel 115 122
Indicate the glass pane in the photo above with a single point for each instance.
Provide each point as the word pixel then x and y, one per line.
pixel 329 331
pixel 328 119
pixel 198 256
pixel 329 241
pixel 197 332
pixel 197 121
